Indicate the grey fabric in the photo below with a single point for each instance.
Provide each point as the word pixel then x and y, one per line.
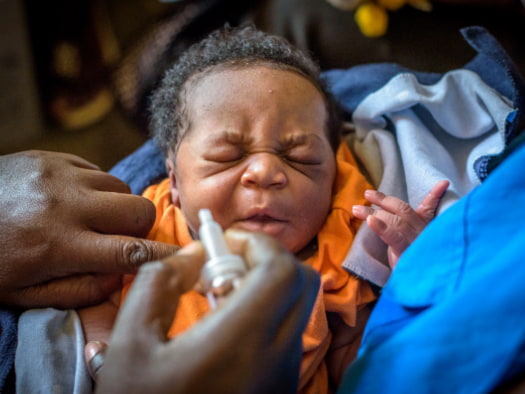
pixel 50 353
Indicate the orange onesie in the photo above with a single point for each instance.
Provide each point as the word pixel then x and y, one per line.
pixel 340 291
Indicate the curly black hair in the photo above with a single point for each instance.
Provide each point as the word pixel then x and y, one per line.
pixel 229 47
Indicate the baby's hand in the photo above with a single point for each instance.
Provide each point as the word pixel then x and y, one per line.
pixel 397 223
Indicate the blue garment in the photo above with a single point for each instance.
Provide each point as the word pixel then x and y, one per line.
pixel 142 168
pixel 451 318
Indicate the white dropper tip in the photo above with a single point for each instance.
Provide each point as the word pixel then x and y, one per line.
pixel 211 235
pixel 223 271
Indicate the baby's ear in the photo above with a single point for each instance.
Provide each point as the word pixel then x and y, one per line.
pixel 170 167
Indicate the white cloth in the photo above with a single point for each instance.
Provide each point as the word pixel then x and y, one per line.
pixel 408 136
pixel 50 353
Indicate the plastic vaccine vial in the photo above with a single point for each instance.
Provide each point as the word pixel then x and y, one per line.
pixel 223 271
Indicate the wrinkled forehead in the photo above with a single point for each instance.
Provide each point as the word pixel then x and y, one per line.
pixel 191 88
pixel 239 65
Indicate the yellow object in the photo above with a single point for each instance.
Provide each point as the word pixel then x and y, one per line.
pixel 74 118
pixel 372 19
pixel 372 16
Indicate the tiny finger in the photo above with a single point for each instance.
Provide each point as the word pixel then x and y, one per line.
pixel 362 211
pixel 393 238
pixel 397 213
pixel 390 204
pixel 428 207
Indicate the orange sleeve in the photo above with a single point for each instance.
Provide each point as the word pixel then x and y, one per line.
pixel 340 292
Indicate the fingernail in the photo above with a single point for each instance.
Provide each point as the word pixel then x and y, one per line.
pixel 93 348
pixel 95 353
pixel 356 209
pixel 368 193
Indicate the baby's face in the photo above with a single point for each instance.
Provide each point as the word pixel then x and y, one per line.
pixel 256 154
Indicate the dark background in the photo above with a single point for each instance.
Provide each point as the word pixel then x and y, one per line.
pixel 30 31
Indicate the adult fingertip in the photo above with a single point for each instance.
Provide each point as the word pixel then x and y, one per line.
pixel 139 251
pixel 160 250
pixel 193 248
pixel 234 236
pixel 184 266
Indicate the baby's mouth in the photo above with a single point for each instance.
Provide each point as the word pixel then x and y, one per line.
pixel 262 223
pixel 263 218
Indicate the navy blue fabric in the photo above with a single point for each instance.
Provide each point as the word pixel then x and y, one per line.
pixel 8 341
pixel 142 168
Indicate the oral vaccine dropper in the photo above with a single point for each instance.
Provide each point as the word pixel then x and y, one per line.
pixel 223 271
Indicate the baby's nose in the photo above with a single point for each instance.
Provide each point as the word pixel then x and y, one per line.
pixel 264 170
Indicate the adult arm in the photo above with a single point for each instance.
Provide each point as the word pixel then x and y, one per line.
pixel 252 343
pixel 68 230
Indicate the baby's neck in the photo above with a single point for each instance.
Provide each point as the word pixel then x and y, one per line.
pixel 308 251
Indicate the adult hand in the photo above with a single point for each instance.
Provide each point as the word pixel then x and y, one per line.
pixel 251 344
pixel 396 223
pixel 67 231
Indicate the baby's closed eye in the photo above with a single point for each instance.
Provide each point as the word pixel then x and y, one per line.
pixel 225 154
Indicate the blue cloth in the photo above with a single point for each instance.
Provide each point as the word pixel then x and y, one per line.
pixel 451 318
pixel 142 168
